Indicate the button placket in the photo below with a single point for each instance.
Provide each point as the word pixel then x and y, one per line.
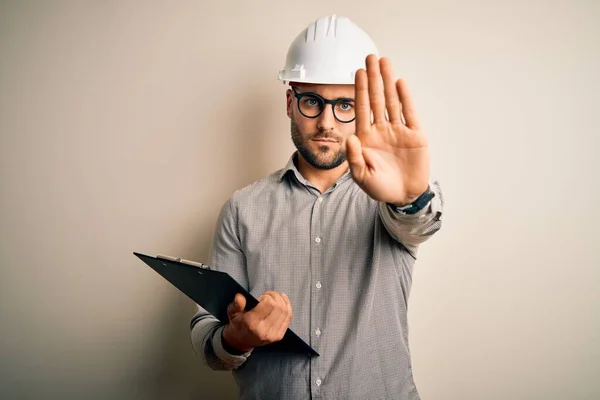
pixel 316 257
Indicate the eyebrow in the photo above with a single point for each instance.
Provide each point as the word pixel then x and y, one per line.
pixel 317 94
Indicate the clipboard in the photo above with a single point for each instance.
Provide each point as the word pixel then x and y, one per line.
pixel 214 290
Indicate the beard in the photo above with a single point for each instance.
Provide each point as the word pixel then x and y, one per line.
pixel 324 157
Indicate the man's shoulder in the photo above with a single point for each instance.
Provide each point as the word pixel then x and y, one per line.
pixel 258 188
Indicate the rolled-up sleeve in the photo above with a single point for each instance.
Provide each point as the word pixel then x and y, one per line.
pixel 413 229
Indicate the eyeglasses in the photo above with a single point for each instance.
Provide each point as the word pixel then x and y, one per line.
pixel 311 105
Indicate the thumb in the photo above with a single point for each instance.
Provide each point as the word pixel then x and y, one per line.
pixel 240 301
pixel 358 167
pixel 236 306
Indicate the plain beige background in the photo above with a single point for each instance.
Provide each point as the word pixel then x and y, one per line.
pixel 125 125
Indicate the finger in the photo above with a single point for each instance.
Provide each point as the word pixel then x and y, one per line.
pixel 273 322
pixel 361 98
pixel 240 301
pixel 290 314
pixel 288 302
pixel 236 306
pixel 355 158
pixel 279 300
pixel 408 108
pixel 280 326
pixel 264 308
pixel 392 100
pixel 279 321
pixel 287 310
pixel 376 97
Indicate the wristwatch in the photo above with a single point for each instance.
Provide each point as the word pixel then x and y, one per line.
pixel 416 205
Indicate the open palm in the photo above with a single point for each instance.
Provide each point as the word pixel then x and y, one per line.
pixel 389 155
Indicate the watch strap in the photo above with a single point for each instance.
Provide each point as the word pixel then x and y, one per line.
pixel 417 205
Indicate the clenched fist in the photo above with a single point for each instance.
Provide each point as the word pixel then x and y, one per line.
pixel 266 323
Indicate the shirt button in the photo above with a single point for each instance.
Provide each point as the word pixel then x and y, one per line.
pixel 318 285
pixel 318 381
pixel 318 332
pixel 320 199
pixel 318 239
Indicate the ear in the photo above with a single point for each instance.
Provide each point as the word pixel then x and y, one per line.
pixel 289 100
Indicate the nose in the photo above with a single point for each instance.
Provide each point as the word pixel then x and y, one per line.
pixel 326 121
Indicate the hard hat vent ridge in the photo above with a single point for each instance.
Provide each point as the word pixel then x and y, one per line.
pixel 332 26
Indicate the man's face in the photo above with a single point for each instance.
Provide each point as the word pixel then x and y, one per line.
pixel 321 141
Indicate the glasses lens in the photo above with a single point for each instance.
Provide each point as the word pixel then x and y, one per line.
pixel 344 110
pixel 310 106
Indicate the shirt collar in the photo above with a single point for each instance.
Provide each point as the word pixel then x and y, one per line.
pixel 290 167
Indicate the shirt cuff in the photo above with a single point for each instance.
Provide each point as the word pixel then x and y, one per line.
pixel 413 229
pixel 234 360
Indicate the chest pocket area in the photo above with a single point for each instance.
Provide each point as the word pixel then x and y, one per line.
pixel 277 254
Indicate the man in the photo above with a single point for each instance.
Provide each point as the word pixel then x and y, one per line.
pixel 327 244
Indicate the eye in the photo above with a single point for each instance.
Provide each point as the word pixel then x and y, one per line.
pixel 311 102
pixel 345 106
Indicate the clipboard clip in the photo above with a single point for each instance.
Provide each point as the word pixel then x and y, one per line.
pixel 183 261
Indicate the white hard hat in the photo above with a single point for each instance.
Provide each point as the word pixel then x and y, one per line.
pixel 329 51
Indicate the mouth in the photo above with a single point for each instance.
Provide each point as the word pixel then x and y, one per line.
pixel 324 140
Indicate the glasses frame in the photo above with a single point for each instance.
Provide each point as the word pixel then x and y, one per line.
pixel 323 101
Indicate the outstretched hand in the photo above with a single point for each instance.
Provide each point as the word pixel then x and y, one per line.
pixel 389 155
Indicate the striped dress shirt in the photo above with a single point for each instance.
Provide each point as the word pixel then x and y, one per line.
pixel 345 261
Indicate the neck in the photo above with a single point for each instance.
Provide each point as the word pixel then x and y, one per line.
pixel 322 179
